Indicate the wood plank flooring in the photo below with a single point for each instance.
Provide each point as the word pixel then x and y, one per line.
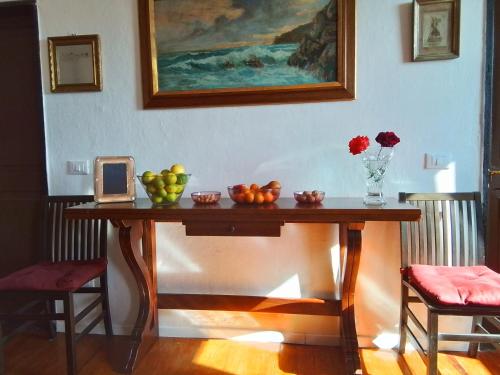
pixel 34 355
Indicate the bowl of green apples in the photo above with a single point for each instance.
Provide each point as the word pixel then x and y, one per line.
pixel 165 188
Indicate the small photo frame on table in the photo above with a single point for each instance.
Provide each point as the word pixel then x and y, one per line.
pixel 75 63
pixel 114 179
pixel 436 29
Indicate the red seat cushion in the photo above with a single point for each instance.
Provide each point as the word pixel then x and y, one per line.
pixel 457 286
pixel 60 276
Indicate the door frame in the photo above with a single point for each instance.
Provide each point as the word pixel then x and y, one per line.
pixel 491 117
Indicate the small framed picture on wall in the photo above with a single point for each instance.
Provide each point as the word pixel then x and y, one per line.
pixel 436 29
pixel 75 63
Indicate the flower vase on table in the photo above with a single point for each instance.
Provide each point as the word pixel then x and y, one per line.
pixel 375 161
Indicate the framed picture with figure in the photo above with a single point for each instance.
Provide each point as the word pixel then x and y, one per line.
pixel 436 29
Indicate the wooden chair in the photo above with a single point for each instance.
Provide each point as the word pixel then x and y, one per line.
pixel 75 254
pixel 442 257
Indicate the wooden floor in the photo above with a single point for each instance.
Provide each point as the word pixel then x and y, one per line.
pixel 34 355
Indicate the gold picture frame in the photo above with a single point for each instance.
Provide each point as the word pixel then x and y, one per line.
pixel 436 29
pixel 114 179
pixel 75 63
pixel 220 82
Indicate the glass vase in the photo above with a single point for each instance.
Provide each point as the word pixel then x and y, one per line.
pixel 376 162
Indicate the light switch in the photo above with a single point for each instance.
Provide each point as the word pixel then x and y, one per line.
pixel 437 161
pixel 79 167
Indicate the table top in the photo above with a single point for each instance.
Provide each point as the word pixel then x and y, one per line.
pixel 331 210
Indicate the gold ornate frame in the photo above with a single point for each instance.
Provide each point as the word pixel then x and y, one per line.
pixel 100 162
pixel 452 49
pixel 343 89
pixel 55 85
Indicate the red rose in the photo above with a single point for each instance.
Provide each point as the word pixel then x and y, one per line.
pixel 358 144
pixel 387 139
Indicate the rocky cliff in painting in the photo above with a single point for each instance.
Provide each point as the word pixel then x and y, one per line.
pixel 317 52
pixel 294 36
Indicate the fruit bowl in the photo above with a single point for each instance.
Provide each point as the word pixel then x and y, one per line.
pixel 205 197
pixel 255 194
pixel 314 196
pixel 164 189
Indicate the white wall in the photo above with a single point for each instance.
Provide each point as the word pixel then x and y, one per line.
pixel 432 106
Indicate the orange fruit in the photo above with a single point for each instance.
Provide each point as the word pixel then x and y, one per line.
pixel 239 197
pixel 249 197
pixel 259 197
pixel 268 197
pixel 254 187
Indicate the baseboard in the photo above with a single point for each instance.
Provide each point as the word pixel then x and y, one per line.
pixel 228 334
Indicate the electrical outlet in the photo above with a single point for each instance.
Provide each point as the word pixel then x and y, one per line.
pixel 78 167
pixel 437 161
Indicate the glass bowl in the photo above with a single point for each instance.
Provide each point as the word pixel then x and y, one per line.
pixel 314 196
pixel 205 197
pixel 243 195
pixel 164 190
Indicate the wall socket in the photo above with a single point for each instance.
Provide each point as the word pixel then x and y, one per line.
pixel 78 167
pixel 437 161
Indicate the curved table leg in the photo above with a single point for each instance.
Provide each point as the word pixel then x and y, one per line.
pixel 128 349
pixel 350 243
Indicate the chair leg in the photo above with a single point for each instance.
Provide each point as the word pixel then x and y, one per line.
pixel 403 318
pixel 105 305
pixel 474 346
pixel 2 357
pixel 50 308
pixel 432 339
pixel 69 327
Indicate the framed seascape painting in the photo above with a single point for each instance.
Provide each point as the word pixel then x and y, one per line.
pixel 236 52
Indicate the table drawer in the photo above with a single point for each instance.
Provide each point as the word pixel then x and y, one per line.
pixel 231 228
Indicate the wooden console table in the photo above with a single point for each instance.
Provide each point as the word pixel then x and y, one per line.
pixel 229 219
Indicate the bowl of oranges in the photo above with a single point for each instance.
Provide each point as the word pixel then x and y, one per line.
pixel 255 194
pixel 165 188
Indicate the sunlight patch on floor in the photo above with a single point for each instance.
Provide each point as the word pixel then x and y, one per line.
pixel 386 340
pixel 209 355
pixel 261 337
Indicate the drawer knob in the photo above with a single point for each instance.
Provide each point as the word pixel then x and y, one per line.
pixel 232 228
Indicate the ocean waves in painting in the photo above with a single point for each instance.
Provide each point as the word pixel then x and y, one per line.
pixel 231 68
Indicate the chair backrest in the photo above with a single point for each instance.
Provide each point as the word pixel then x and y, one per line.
pixel 449 232
pixel 72 239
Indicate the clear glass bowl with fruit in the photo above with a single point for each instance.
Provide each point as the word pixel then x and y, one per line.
pixel 205 197
pixel 165 188
pixel 314 196
pixel 255 194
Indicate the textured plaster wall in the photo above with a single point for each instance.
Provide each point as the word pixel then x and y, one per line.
pixel 433 106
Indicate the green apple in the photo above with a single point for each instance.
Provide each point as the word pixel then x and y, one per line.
pixel 171 197
pixel 158 182
pixel 182 179
pixel 170 178
pixel 147 177
pixel 171 188
pixel 156 199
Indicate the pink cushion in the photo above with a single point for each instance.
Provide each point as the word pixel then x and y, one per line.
pixel 61 276
pixel 457 286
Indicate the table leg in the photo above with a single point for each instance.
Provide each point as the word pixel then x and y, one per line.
pixel 129 349
pixel 350 244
